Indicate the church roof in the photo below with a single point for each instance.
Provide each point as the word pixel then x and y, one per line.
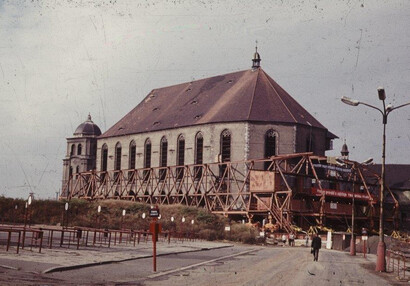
pixel 249 95
pixel 87 128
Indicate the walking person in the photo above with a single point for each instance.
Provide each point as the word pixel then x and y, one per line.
pixel 292 239
pixel 316 245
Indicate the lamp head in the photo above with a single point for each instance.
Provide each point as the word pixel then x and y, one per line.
pixel 367 161
pixel 381 92
pixel 349 101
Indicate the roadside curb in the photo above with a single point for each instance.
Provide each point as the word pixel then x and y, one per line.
pixel 156 275
pixel 8 267
pixel 77 266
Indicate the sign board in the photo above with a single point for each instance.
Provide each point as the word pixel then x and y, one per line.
pixel 364 237
pixel 340 194
pixel 227 228
pixel 263 181
pixel 333 206
pixel 154 212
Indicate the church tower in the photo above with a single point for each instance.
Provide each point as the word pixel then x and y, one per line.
pixel 81 150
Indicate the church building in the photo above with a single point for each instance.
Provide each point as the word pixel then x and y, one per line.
pixel 232 117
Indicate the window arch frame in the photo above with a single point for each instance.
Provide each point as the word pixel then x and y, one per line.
pixel 147 158
pixel 79 149
pixel 72 151
pixel 225 150
pixel 163 157
pixel 270 133
pixel 117 160
pixel 132 153
pixel 226 133
pixel 104 158
pixel 180 156
pixel 199 154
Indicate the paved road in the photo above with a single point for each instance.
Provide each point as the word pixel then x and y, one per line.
pixel 236 265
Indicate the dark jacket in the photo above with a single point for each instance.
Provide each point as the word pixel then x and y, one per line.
pixel 316 242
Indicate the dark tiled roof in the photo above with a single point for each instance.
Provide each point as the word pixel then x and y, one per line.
pixel 249 95
pixel 87 128
pixel 397 175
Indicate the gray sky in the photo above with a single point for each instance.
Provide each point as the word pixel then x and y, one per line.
pixel 60 60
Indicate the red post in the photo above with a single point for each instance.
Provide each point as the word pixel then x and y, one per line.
pixel 8 240
pixel 41 233
pixel 51 239
pixel 154 240
pixel 18 243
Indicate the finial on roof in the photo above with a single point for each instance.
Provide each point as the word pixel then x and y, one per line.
pixel 256 61
pixel 89 117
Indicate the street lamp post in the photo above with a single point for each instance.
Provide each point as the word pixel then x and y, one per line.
pixel 355 167
pixel 28 203
pixel 353 240
pixel 381 247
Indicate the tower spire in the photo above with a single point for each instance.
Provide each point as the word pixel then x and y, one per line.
pixel 256 61
pixel 345 151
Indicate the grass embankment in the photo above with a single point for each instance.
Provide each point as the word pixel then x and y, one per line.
pixel 84 213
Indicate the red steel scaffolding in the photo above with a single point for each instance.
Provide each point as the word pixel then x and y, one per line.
pixel 300 190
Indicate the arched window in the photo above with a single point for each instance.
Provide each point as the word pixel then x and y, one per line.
pixel 225 150
pixel 79 149
pixel 118 150
pixel 226 146
pixel 180 156
pixel 131 160
pixel 77 171
pixel 72 150
pixel 70 172
pixel 104 157
pixel 132 153
pixel 163 158
pixel 270 146
pixel 199 154
pixel 147 158
pixel 117 164
pixel 310 144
